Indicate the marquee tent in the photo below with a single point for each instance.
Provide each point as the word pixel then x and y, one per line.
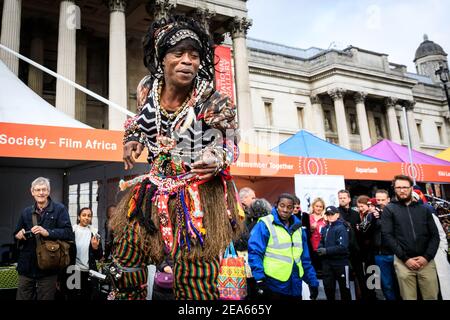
pixel 445 155
pixel 393 152
pixel 305 144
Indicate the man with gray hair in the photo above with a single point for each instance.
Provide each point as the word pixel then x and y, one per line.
pixel 247 196
pixel 53 223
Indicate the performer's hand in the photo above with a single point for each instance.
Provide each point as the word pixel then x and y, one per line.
pixel 128 149
pixel 205 168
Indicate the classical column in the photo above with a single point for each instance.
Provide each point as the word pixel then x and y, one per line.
pixel 394 130
pixel 36 76
pixel 204 16
pixel 81 78
pixel 10 35
pixel 159 9
pixel 338 97
pixel 66 61
pixel 239 27
pixel 414 134
pixel 363 124
pixel 317 116
pixel 117 63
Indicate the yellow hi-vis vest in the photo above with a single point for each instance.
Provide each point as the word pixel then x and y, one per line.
pixel 282 251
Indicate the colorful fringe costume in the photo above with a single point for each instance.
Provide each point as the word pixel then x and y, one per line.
pixel 192 219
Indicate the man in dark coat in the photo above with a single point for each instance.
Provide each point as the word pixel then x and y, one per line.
pixel 53 223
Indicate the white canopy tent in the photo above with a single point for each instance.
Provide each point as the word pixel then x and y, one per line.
pixel 20 104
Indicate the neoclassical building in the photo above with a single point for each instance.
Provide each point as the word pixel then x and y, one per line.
pixel 351 97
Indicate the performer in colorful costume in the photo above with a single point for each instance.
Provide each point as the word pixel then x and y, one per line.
pixel 187 205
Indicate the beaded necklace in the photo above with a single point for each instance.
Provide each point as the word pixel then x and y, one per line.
pixel 193 99
pixel 172 115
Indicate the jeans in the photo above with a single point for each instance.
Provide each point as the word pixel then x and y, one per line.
pixel 388 278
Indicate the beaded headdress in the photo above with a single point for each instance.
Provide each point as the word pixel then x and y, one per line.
pixel 166 34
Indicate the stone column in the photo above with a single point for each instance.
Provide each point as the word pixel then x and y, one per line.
pixel 414 134
pixel 10 35
pixel 394 130
pixel 81 78
pixel 338 97
pixel 204 16
pixel 66 61
pixel 317 116
pixel 117 63
pixel 36 76
pixel 239 27
pixel 363 124
pixel 159 9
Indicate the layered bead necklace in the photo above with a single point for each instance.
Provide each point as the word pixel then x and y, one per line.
pixel 167 142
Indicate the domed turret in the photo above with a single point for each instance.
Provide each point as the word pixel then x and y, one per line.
pixel 428 48
pixel 429 57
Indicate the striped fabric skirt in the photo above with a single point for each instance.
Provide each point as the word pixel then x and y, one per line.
pixel 196 280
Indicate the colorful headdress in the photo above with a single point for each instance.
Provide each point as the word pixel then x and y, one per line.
pixel 166 34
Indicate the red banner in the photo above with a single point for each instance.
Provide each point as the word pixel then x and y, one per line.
pixel 224 71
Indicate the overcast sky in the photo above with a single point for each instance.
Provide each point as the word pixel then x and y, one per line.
pixel 393 27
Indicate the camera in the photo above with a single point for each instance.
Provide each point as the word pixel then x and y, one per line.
pixel 28 234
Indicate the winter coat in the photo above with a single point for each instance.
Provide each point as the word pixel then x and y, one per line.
pixel 335 239
pixel 257 244
pixel 409 230
pixel 55 219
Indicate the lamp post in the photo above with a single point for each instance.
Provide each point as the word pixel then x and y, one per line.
pixel 444 76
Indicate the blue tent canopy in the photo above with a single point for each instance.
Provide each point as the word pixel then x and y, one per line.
pixel 305 144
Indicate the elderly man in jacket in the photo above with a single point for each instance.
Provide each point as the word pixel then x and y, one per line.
pixel 53 223
pixel 409 230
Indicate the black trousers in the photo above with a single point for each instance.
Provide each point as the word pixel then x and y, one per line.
pixel 36 289
pixel 333 272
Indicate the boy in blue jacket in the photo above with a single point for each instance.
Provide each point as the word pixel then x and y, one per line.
pixel 333 250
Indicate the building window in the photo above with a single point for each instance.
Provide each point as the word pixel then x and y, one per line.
pixel 400 127
pixel 268 113
pixel 300 116
pixel 440 133
pixel 353 124
pixel 419 130
pixel 83 195
pixel 378 128
pixel 327 121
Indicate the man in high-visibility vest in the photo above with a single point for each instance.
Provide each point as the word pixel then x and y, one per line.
pixel 279 256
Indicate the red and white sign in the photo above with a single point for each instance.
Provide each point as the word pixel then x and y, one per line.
pixel 224 71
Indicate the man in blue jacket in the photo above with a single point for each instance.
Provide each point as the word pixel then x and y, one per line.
pixel 333 249
pixel 53 223
pixel 278 254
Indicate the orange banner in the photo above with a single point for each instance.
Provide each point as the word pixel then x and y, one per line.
pixel 47 142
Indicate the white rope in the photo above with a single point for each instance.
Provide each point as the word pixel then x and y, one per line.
pixel 58 76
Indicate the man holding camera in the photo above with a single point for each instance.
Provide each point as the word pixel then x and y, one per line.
pixel 53 223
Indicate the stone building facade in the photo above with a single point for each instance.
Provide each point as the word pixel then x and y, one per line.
pixel 351 97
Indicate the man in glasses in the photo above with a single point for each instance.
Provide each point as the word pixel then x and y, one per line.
pixel 410 232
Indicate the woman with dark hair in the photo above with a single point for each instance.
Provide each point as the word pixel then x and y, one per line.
pixel 88 251
pixel 278 254
pixel 186 205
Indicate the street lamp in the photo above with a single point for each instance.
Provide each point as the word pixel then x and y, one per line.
pixel 444 76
